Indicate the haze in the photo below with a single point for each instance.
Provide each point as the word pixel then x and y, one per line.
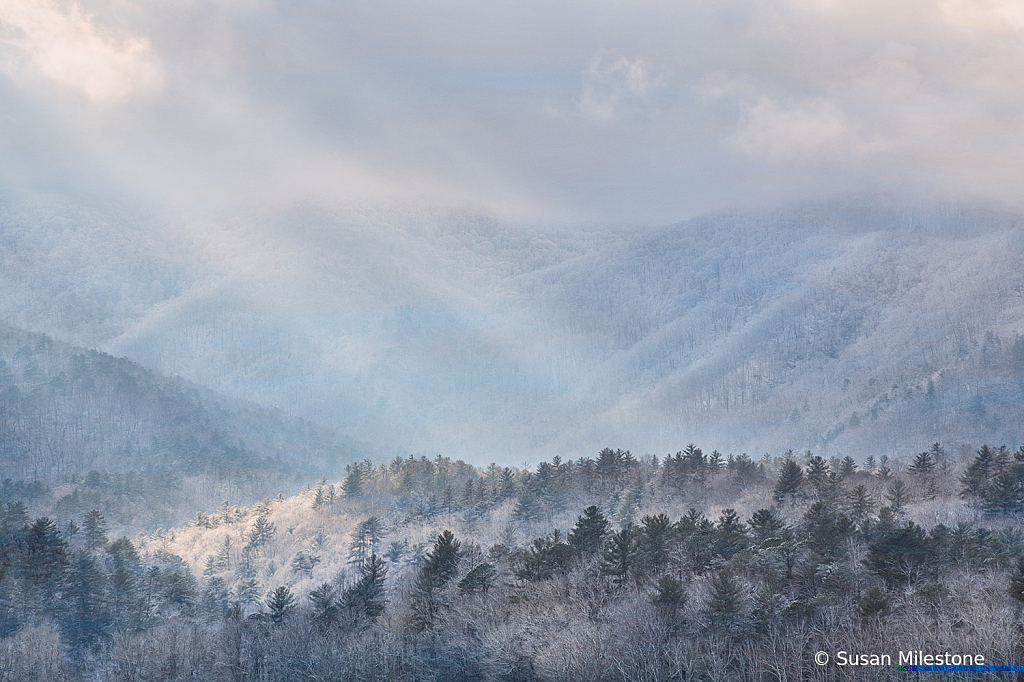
pixel 438 224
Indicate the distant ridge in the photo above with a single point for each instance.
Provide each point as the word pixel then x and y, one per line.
pixel 67 410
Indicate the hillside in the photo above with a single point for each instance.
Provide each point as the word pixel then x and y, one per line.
pixel 857 328
pixel 604 569
pixel 92 427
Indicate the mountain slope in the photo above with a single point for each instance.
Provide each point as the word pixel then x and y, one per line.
pixel 864 327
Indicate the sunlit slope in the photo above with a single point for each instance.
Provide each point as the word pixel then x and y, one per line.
pixel 861 327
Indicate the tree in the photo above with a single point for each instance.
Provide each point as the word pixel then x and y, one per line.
pixel 901 555
pixel 546 557
pixel 847 468
pixel 657 534
pixel 439 567
pixel 84 613
pixel 670 596
pixel 352 486
pixel 726 603
pixel 731 536
pixel 859 503
pixel 766 526
pixel 261 533
pixel 324 602
pixel 366 599
pixel 366 539
pixel 480 579
pixel 528 508
pixel 790 480
pixel 619 558
pixel 898 496
pixel 280 602
pixel 587 536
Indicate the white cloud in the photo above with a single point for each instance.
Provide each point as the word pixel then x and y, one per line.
pixel 62 43
pixel 612 85
pixel 791 130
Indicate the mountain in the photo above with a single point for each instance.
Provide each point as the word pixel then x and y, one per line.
pixel 93 431
pixel 865 327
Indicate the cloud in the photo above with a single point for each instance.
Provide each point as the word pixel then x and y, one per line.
pixel 570 112
pixel 65 45
pixel 797 131
pixel 611 85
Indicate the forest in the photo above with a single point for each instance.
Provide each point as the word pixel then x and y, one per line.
pixel 690 566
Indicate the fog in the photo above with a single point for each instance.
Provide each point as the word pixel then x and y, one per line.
pixel 440 226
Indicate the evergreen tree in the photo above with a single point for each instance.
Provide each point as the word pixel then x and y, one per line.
pixel 439 567
pixel 670 597
pixel 726 603
pixel 898 495
pixel 901 555
pixel 44 561
pixel 262 532
pixel 587 537
pixel 247 591
pixel 873 604
pixel 545 558
pixel 480 579
pixel 790 480
pixel 528 508
pixel 280 603
pixel 223 557
pixel 366 599
pixel 859 503
pixel 766 527
pixel 657 535
pixel 619 558
pixel 731 535
pixel 352 486
pixel 325 609
pixel 847 467
pixel 84 616
pixel 366 539
pixel 95 529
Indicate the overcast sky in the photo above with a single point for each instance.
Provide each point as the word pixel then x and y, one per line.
pixel 642 111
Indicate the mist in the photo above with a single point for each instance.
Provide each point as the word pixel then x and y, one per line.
pixel 511 232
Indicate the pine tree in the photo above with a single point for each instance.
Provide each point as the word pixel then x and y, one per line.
pixel 528 508
pixel 898 495
pixel 352 486
pixel 480 579
pixel 859 503
pixel 730 536
pixel 223 557
pixel 726 604
pixel 262 532
pixel 95 530
pixel 766 527
pixel 587 537
pixel 790 480
pixel 326 610
pixel 439 567
pixel 366 599
pixel 670 597
pixel 366 539
pixel 657 534
pixel 247 591
pixel 847 467
pixel 619 558
pixel 280 602
pixel 84 615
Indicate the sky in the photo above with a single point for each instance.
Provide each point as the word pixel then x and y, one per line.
pixel 561 113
